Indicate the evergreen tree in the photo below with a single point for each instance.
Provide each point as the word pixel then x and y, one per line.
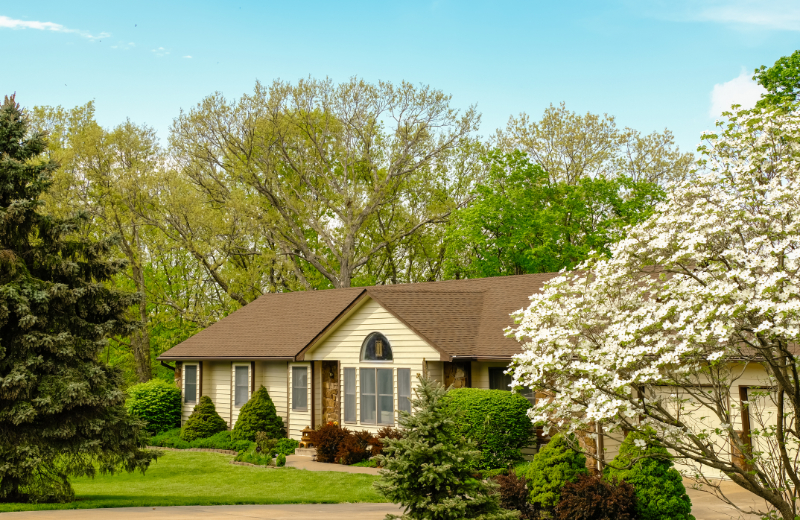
pixel 428 470
pixel 660 492
pixel 204 421
pixel 555 465
pixel 258 415
pixel 62 412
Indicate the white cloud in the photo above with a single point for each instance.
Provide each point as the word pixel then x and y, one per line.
pixel 161 51
pixel 741 90
pixel 11 23
pixel 124 46
pixel 742 14
pixel 188 57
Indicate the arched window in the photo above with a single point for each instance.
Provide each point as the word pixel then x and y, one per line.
pixel 376 348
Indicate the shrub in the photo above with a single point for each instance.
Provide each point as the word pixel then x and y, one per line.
pixel 218 441
pixel 429 470
pixel 326 440
pixel 592 498
pixel 387 432
pixel 258 415
pixel 265 445
pixel 286 446
pixel 496 420
pixel 204 421
pixel 514 494
pixel 353 447
pixel 555 465
pixel 157 402
pixel 254 457
pixel 659 487
pixel 281 460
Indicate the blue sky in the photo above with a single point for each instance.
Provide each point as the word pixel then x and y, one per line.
pixel 651 64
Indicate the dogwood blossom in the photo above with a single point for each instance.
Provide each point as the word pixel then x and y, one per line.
pixel 709 284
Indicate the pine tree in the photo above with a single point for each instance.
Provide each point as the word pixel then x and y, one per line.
pixel 660 492
pixel 428 470
pixel 62 411
pixel 258 415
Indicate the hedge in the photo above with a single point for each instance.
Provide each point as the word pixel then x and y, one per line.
pixel 157 402
pixel 218 441
pixel 496 420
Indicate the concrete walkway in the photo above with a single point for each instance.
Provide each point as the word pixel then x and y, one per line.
pixel 301 462
pixel 276 512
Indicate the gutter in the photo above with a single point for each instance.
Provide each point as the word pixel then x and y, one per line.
pixel 224 358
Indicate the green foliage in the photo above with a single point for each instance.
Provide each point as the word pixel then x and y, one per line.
pixel 428 471
pixel 157 402
pixel 254 456
pixel 782 81
pixel 258 415
pixel 62 410
pixel 286 446
pixel 218 441
pixel 495 419
pixel 659 487
pixel 555 465
pixel 204 421
pixel 522 222
pixel 280 460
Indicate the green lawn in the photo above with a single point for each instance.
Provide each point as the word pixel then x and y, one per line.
pixel 198 478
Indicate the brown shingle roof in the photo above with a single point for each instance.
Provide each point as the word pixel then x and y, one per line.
pixel 461 318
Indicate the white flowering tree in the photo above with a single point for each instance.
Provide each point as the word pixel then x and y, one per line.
pixel 701 297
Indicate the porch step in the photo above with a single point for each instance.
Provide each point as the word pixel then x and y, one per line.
pixel 306 452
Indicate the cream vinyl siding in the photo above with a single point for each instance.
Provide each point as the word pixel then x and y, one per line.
pixel 480 372
pixel 217 385
pixel 434 370
pixel 273 376
pixel 298 420
pixel 235 409
pixel 188 408
pixel 344 345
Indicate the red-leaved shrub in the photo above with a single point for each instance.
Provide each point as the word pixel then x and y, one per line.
pixel 514 495
pixel 353 447
pixel 326 440
pixel 593 498
pixel 387 432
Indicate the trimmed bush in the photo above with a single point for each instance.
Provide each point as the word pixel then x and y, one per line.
pixel 514 494
pixel 326 440
pixel 258 415
pixel 280 461
pixel 555 465
pixel 204 421
pixel 660 492
pixel 592 498
pixel 496 420
pixel 157 402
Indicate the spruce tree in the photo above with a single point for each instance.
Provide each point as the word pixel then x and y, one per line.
pixel 203 422
pixel 555 465
pixel 62 411
pixel 429 472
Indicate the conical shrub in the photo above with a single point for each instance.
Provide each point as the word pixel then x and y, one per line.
pixel 258 415
pixel 555 465
pixel 204 421
pixel 660 492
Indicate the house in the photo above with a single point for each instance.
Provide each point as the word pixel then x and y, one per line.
pixel 352 355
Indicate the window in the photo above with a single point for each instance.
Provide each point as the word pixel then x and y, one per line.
pixel 190 384
pixel 404 389
pixel 499 380
pixel 377 396
pixel 242 385
pixel 376 348
pixel 368 395
pixel 300 388
pixel 350 395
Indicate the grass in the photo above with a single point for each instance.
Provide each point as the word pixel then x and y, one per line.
pixel 198 478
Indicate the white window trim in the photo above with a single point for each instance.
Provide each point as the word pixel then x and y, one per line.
pixel 198 375
pixel 233 384
pixel 307 409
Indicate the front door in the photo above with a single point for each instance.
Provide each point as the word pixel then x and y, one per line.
pixel 331 401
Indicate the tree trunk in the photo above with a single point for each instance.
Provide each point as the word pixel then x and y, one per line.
pixel 140 340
